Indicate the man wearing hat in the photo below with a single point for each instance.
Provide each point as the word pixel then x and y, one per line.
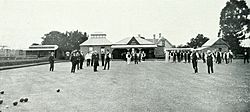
pixel 210 62
pixel 51 61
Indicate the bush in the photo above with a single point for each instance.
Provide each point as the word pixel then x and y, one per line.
pixel 20 62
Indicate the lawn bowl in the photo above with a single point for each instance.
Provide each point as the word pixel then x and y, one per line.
pixel 1 101
pixel 15 103
pixel 26 99
pixel 21 100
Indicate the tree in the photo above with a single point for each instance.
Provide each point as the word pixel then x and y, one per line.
pixel 232 19
pixel 75 38
pixel 198 41
pixel 68 41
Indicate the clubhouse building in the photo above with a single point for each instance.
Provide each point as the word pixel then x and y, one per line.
pixel 153 48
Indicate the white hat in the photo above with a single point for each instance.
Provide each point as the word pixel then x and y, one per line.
pixel 208 51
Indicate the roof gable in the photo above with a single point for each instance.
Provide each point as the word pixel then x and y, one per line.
pixel 164 42
pixel 96 41
pixel 136 41
pixel 133 41
pixel 215 41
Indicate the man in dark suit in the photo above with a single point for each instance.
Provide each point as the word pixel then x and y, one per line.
pixel 82 58
pixel 246 56
pixel 107 60
pixel 95 58
pixel 194 61
pixel 51 61
pixel 210 62
pixel 73 60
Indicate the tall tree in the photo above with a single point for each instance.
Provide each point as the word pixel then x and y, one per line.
pixel 198 41
pixel 66 41
pixel 232 19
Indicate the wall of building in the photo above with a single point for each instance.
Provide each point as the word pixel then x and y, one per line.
pixel 224 48
pixel 85 49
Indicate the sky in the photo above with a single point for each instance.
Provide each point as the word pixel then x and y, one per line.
pixel 23 22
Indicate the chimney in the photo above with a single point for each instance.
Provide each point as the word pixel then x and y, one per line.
pixel 159 35
pixel 139 35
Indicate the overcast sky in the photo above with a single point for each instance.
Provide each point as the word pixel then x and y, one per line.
pixel 23 22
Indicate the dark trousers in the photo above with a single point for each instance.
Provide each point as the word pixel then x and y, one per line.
pixel 218 60
pixel 226 60
pixel 189 60
pixel 102 57
pixel 136 61
pixel 95 66
pixel 107 62
pixel 73 67
pixel 246 60
pixel 195 66
pixel 204 60
pixel 78 65
pixel 51 68
pixel 88 62
pixel 210 67
pixel 92 62
pixel 81 64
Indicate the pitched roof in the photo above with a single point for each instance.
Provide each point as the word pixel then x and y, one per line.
pixel 96 41
pixel 213 41
pixel 42 47
pixel 125 41
pixel 152 40
pixel 157 41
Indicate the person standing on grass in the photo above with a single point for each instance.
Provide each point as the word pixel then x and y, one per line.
pixel 136 58
pixel 219 55
pixel 107 60
pixel 128 57
pixel 77 60
pixel 210 62
pixel 203 56
pixel 189 56
pixel 51 61
pixel 81 60
pixel 195 61
pixel 185 56
pixel 88 58
pixel 230 54
pixel 246 56
pixel 73 60
pixel 143 56
pixel 95 58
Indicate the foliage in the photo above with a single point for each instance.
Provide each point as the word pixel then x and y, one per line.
pixel 68 41
pixel 198 41
pixel 232 19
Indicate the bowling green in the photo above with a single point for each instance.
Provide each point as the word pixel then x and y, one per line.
pixel 152 86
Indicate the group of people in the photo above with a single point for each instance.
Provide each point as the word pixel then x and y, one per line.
pixel 216 57
pixel 136 57
pixel 92 59
pixel 77 58
pixel 185 56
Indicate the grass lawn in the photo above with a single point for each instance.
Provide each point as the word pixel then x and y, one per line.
pixel 152 86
